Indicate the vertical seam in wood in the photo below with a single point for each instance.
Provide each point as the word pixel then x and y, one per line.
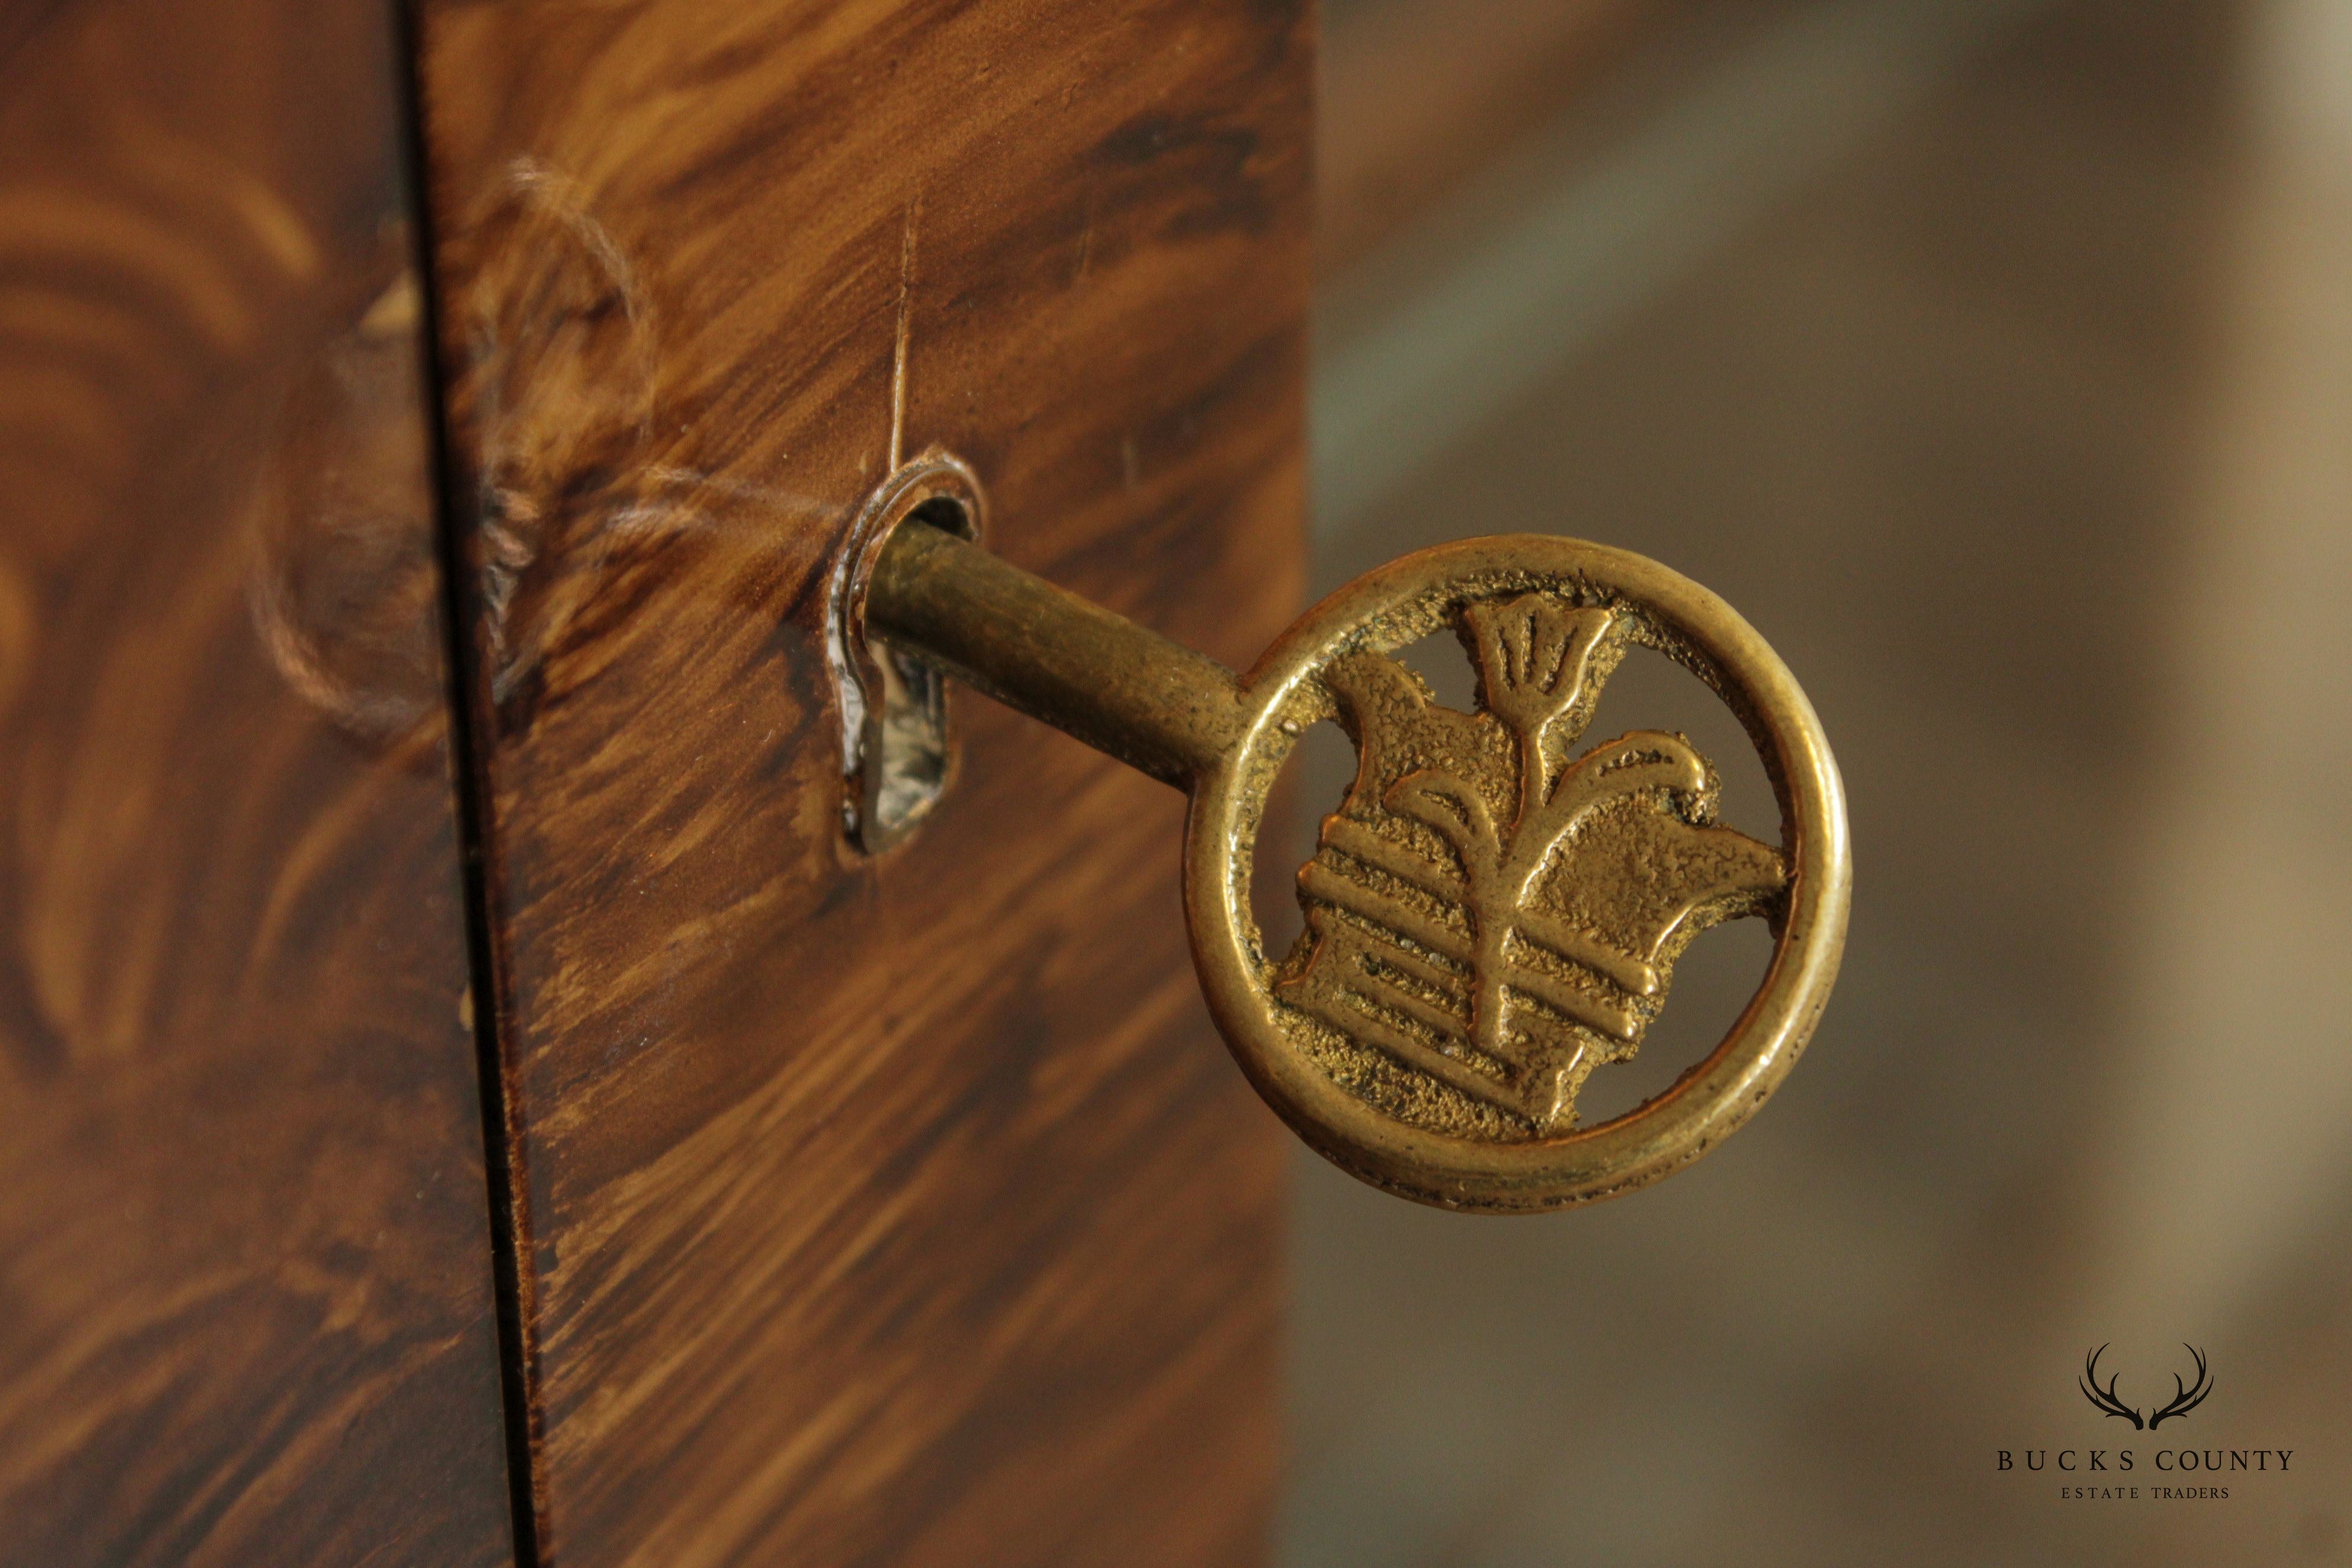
pixel 898 349
pixel 507 1191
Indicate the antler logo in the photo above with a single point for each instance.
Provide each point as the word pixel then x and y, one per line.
pixel 2185 1397
pixel 1487 911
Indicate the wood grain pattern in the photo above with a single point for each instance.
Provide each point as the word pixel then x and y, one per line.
pixel 244 1287
pixel 902 1212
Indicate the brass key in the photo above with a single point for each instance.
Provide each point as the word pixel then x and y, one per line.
pixel 1492 913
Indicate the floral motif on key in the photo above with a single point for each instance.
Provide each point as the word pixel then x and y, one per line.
pixel 1487 912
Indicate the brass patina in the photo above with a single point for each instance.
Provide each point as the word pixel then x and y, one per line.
pixel 1470 906
pixel 1495 907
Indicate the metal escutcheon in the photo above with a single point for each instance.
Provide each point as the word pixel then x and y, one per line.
pixel 1492 910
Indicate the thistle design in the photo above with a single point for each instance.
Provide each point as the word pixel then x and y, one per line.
pixel 1489 914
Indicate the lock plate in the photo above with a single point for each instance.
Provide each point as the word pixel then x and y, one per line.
pixel 896 753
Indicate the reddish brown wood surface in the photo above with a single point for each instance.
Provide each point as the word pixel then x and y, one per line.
pixel 244 1284
pixel 905 1211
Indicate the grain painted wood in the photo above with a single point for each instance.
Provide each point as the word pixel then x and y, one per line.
pixel 902 1212
pixel 245 1282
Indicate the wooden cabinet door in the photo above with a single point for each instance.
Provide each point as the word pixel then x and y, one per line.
pixel 246 1302
pixel 881 1210
pixel 464 1100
